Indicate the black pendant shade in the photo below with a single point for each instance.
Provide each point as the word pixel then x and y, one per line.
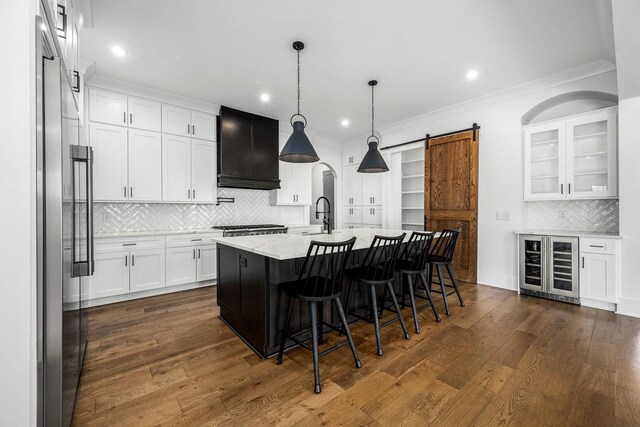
pixel 372 162
pixel 298 148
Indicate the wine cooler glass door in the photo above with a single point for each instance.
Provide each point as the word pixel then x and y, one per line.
pixel 563 266
pixel 532 265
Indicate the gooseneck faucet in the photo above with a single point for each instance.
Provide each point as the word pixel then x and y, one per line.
pixel 326 220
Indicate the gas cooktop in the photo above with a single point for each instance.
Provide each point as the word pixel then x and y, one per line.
pixel 250 230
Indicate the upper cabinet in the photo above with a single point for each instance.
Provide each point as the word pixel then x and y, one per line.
pixel 117 109
pixel 144 114
pixel 351 156
pixel 572 158
pixel 183 122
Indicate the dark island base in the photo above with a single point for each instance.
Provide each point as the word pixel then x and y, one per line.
pixel 252 304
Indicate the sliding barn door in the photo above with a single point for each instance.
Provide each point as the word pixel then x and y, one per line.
pixel 451 195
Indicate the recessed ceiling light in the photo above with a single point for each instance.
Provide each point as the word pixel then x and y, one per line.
pixel 265 97
pixel 345 122
pixel 472 74
pixel 118 51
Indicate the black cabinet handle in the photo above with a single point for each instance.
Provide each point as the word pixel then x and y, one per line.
pixel 131 191
pixel 194 193
pixel 582 262
pixel 130 118
pixel 188 194
pixel 194 254
pixel 193 129
pixel 569 188
pixel 133 260
pixel 188 129
pixel 125 191
pixel 198 253
pixel 125 260
pixel 76 88
pixel 561 188
pixel 62 11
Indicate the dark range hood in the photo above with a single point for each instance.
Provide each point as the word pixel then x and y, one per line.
pixel 247 150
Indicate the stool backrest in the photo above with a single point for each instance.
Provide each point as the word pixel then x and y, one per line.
pixel 445 245
pixel 324 266
pixel 416 251
pixel 380 261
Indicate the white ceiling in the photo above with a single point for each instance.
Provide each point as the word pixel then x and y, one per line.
pixel 228 52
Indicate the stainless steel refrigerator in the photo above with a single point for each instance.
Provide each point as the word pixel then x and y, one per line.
pixel 64 232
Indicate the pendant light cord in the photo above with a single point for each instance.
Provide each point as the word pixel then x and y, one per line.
pixel 372 111
pixel 298 82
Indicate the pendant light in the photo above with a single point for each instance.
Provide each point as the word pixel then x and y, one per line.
pixel 373 161
pixel 298 148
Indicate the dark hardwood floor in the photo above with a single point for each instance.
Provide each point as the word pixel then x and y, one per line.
pixel 502 359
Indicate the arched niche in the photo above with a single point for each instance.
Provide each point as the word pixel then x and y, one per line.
pixel 568 104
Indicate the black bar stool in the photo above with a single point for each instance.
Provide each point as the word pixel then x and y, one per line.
pixel 442 254
pixel 413 263
pixel 320 280
pixel 377 269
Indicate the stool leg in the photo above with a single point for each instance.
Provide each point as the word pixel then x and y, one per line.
pixel 374 313
pixel 320 306
pixel 395 304
pixel 403 290
pixel 382 303
pixel 413 302
pixel 285 331
pixel 444 291
pixel 428 292
pixel 345 325
pixel 313 311
pixel 455 285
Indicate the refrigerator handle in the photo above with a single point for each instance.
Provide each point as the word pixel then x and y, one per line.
pixel 83 154
pixel 90 242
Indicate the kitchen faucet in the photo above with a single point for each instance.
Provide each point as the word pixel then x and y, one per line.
pixel 326 220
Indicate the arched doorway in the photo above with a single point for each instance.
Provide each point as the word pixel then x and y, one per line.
pixel 323 183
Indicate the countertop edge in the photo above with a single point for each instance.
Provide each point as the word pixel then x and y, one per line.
pixel 570 233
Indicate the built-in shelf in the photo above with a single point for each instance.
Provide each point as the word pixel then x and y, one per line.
pixel 590 173
pixel 404 162
pixel 413 223
pixel 413 192
pixel 589 135
pixel 413 176
pixel 595 153
pixel 544 177
pixel 545 159
pixel 548 141
pixel 412 208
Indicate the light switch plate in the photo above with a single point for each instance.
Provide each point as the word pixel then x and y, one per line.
pixel 503 216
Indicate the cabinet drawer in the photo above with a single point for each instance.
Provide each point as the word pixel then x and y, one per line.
pixel 130 244
pixel 598 246
pixel 190 240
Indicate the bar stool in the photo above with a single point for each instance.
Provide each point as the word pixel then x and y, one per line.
pixel 413 263
pixel 442 254
pixel 377 269
pixel 320 280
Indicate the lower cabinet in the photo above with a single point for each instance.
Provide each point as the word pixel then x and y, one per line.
pixel 598 273
pixel 110 276
pixel 189 264
pixel 146 270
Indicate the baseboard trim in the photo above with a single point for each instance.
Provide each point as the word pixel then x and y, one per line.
pixel 150 293
pixel 628 307
pixel 602 305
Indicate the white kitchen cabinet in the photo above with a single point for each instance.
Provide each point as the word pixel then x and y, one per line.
pixel 203 163
pixel 181 265
pixel 107 107
pixel 110 152
pixel 598 272
pixel 372 216
pixel 146 270
pixel 176 169
pixel 371 189
pixel 572 158
pixel 203 125
pixel 353 215
pixel 351 156
pixel 295 181
pixel 207 263
pixel 184 122
pixel 144 114
pixel 351 186
pixel 145 165
pixel 110 276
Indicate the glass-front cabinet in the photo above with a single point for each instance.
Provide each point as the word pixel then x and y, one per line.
pixel 572 158
pixel 532 265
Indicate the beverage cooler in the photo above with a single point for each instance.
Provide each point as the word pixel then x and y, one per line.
pixel 549 267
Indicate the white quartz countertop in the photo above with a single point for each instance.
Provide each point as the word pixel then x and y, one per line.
pixel 157 233
pixel 288 246
pixel 585 234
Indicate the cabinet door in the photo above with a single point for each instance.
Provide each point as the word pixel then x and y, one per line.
pixel 176 120
pixel 203 125
pixel 351 156
pixel 146 270
pixel 110 276
pixel 301 177
pixel 562 274
pixel 203 171
pixel 352 215
pixel 371 189
pixel 107 107
pixel 176 169
pixel 207 263
pixel 532 262
pixel 109 145
pixel 598 277
pixel 181 265
pixel 352 186
pixel 144 114
pixel 145 165
pixel 591 156
pixel 372 216
pixel 544 162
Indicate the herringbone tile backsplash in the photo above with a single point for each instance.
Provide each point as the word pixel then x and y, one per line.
pixel 574 215
pixel 250 207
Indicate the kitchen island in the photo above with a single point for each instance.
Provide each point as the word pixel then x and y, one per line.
pixel 251 269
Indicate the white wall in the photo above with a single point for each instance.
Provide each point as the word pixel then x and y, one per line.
pixel 17 225
pixel 501 157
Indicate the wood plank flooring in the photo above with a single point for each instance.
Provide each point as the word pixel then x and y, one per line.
pixel 501 360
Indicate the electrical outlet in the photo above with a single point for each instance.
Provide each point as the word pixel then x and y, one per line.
pixel 503 216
